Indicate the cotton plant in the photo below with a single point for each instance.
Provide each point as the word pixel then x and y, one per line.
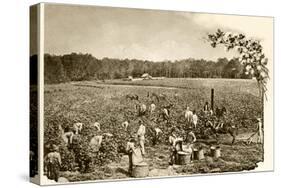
pixel 251 54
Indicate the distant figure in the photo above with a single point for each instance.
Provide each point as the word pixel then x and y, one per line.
pixel 78 127
pixel 68 137
pixel 141 109
pixel 206 107
pixel 159 97
pixel 166 114
pixel 260 131
pixel 125 125
pixel 53 163
pixel 97 126
pixel 162 96
pixel 194 119
pixel 157 133
pixel 141 136
pixel 220 112
pixel 166 111
pixel 132 97
pixel 152 108
pixel 188 115
pixel 191 138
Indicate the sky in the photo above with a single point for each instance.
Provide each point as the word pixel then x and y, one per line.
pixel 144 34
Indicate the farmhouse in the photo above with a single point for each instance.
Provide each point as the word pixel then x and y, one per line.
pixel 146 76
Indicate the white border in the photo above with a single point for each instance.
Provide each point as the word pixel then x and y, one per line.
pixel 266 166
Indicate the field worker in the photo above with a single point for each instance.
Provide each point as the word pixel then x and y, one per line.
pixel 95 142
pixel 130 148
pixel 188 115
pixel 135 154
pixel 194 119
pixel 165 114
pixel 53 163
pixel 78 127
pixel 125 125
pixel 157 132
pixel 260 131
pixel 143 108
pixel 206 107
pixel 97 125
pixel 191 138
pixel 176 145
pixel 141 136
pixel 68 137
pixel 152 108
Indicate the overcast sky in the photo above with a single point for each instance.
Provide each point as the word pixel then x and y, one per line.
pixel 143 34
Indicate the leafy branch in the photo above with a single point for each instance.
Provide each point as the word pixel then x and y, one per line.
pixel 251 54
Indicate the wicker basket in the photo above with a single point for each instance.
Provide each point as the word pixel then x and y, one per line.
pixel 183 158
pixel 198 154
pixel 215 151
pixel 140 170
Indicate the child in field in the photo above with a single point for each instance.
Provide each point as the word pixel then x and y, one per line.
pixel 53 163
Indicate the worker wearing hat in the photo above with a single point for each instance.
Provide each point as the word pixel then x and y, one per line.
pixel 260 130
pixel 53 163
pixel 130 147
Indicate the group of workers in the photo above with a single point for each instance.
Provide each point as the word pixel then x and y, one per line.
pixel 136 144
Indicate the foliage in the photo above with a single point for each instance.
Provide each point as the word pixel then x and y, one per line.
pixel 250 51
pixel 66 104
pixel 78 67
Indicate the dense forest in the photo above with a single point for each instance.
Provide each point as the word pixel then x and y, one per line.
pixel 77 67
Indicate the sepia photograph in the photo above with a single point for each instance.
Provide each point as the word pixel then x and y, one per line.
pixel 126 94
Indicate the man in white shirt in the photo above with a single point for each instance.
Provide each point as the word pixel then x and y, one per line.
pixel 188 115
pixel 157 132
pixel 260 131
pixel 141 136
pixel 194 119
pixel 152 108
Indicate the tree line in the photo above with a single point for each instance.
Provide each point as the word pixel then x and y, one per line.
pixel 78 67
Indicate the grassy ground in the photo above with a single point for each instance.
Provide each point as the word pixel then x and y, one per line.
pixel 231 85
